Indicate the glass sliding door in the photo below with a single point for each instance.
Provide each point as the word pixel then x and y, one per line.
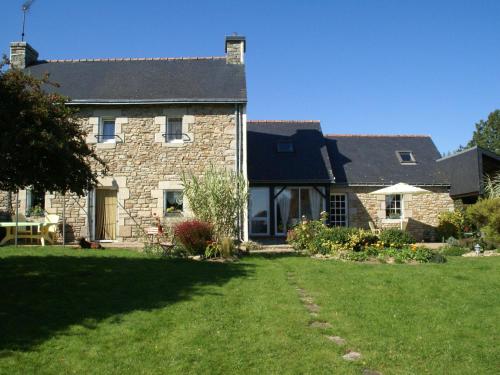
pixel 294 203
pixel 259 211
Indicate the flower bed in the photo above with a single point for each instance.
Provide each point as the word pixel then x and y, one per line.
pixel 392 245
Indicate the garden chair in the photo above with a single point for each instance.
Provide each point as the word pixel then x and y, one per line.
pixel 52 223
pixel 373 228
pixel 155 237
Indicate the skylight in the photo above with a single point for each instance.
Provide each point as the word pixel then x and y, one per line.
pixel 406 157
pixel 285 146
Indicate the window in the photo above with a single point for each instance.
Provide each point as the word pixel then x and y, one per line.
pixel 174 130
pixel 292 204
pixel 338 210
pixel 393 206
pixel 285 146
pixel 259 211
pixel 406 157
pixel 172 201
pixel 35 202
pixel 107 133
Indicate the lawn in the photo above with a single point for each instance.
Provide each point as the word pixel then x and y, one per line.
pixel 117 311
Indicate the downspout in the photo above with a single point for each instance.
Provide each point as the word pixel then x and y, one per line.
pixel 237 131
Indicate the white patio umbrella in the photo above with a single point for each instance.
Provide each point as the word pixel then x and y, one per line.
pixel 400 188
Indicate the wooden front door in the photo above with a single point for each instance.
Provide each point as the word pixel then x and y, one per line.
pixel 105 214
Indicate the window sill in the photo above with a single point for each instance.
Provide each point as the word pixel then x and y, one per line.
pixel 174 214
pixel 392 221
pixel 174 144
pixel 106 145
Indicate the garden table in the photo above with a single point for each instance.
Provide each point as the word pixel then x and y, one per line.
pixel 42 233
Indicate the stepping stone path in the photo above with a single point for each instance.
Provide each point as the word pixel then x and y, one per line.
pixel 314 309
pixel 337 340
pixel 352 356
pixel 318 324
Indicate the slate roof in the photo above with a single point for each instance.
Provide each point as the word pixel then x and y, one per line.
pixel 164 80
pixel 465 170
pixel 372 160
pixel 308 163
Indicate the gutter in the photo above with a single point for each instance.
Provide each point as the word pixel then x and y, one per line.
pixel 154 101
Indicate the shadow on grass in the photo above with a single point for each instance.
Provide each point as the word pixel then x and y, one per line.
pixel 41 296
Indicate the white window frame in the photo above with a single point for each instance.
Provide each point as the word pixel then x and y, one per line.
pixel 179 118
pixel 165 201
pixel 412 157
pixel 401 207
pixel 267 218
pixel 101 130
pixel 332 208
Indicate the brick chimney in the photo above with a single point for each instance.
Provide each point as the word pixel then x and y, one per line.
pixel 22 55
pixel 236 46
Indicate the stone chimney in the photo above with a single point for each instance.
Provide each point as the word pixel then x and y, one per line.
pixel 22 55
pixel 236 47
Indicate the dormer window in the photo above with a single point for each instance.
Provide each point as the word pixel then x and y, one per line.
pixel 284 146
pixel 406 157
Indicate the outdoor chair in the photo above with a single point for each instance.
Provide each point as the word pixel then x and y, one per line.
pixel 52 224
pixel 155 237
pixel 373 228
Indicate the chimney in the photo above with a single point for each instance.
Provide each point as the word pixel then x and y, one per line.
pixel 22 55
pixel 235 49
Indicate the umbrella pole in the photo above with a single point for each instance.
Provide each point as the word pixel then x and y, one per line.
pixel 64 220
pixel 17 215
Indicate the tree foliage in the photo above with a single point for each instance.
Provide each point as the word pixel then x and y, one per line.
pixel 41 143
pixel 492 186
pixel 485 214
pixel 487 133
pixel 218 197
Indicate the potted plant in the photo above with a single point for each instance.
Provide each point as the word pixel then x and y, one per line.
pixel 36 213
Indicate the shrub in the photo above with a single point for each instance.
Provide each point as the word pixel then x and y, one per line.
pixel 219 198
pixel 307 236
pixel 453 250
pixel 452 224
pixel 194 236
pixel 395 238
pixel 485 214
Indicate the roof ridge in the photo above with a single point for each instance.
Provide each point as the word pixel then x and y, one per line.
pixel 380 135
pixel 283 121
pixel 134 59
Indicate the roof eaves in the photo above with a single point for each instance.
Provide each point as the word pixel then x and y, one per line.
pixel 155 101
pixel 378 135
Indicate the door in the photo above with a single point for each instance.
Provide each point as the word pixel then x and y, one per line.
pixel 105 214
pixel 259 211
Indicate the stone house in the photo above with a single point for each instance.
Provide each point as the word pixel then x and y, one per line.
pixel 296 171
pixel 150 120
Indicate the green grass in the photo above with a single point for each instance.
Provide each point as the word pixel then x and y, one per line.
pixel 117 311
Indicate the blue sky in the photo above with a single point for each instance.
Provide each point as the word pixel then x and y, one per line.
pixel 372 66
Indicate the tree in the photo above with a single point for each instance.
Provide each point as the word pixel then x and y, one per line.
pixel 219 198
pixel 487 133
pixel 41 142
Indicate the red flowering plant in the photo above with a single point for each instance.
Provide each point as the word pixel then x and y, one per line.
pixel 194 235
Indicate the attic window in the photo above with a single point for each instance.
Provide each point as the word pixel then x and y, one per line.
pixel 285 146
pixel 406 157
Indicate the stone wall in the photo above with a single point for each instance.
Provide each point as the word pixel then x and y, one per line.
pixel 4 201
pixel 422 210
pixel 143 165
